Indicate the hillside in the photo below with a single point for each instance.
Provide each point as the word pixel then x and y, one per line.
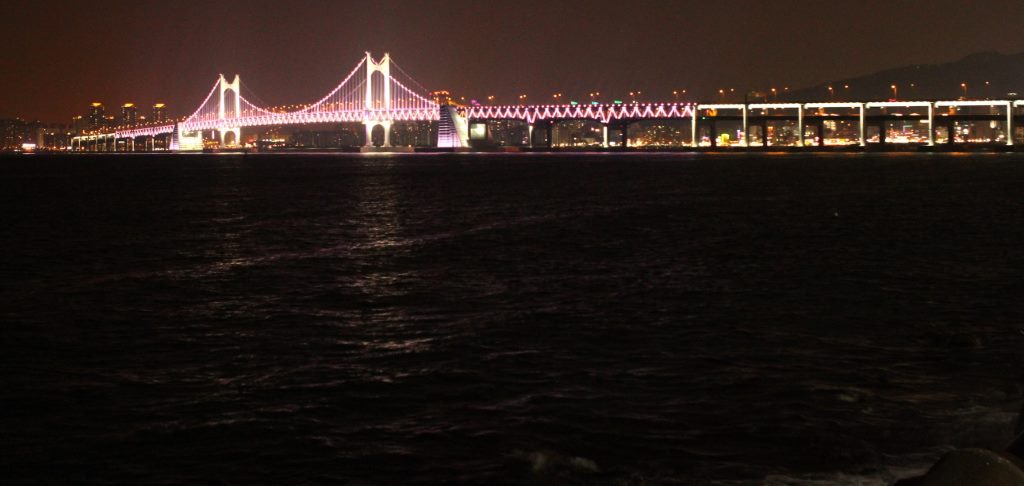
pixel 1003 73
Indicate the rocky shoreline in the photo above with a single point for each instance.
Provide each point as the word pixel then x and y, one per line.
pixel 981 467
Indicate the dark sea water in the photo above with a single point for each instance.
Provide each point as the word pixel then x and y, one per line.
pixel 608 319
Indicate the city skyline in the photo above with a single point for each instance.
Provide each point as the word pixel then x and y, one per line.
pixel 663 50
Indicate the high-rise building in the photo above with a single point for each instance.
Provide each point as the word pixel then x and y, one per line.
pixel 159 113
pixel 79 124
pixel 129 114
pixel 12 134
pixel 441 97
pixel 97 116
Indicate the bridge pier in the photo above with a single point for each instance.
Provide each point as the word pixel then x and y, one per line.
pixel 800 125
pixel 604 136
pixel 746 126
pixel 1010 129
pixel 862 126
pixel 370 125
pixel 693 130
pixel 931 124
pixel 224 131
pixel 547 128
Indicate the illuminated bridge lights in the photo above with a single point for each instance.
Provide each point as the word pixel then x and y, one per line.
pixel 373 93
pixel 603 113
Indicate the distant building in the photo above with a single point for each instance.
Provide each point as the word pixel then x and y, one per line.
pixel 79 124
pixel 55 137
pixel 97 116
pixel 159 113
pixel 129 114
pixel 441 97
pixel 12 134
pixel 414 134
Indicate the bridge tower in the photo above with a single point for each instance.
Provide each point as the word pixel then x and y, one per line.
pixel 372 103
pixel 236 89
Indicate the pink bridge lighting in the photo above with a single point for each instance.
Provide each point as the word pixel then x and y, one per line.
pixel 602 113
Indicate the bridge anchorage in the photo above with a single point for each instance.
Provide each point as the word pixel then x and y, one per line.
pixel 378 93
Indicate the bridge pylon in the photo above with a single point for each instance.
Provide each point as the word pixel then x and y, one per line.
pixel 235 87
pixel 375 101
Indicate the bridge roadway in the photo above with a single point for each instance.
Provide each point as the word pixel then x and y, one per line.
pixel 706 118
pixel 702 118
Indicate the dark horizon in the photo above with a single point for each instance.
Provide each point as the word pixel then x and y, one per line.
pixel 146 52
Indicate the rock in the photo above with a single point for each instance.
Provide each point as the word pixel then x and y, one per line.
pixel 910 482
pixel 969 467
pixel 1020 422
pixel 1017 447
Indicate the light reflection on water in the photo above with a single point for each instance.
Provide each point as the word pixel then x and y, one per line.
pixel 663 317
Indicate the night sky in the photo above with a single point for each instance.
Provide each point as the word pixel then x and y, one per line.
pixel 62 55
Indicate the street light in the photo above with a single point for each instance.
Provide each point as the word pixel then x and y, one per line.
pixel 490 99
pixel 522 99
pixel 775 94
pixel 831 93
pixel 964 87
pixel 895 92
pixel 721 93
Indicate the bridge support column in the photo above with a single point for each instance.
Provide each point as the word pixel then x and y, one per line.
pixel 387 133
pixel 713 132
pixel 821 132
pixel 950 131
pixel 223 135
pixel 604 136
pixel 883 127
pixel 529 135
pixel 862 127
pixel 624 128
pixel 370 133
pixel 931 124
pixel 764 134
pixel 551 134
pixel 746 126
pixel 693 130
pixel 1009 124
pixel 800 125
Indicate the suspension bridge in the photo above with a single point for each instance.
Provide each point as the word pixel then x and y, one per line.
pixel 373 94
pixel 378 93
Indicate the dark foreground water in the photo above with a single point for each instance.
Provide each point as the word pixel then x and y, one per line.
pixel 520 319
